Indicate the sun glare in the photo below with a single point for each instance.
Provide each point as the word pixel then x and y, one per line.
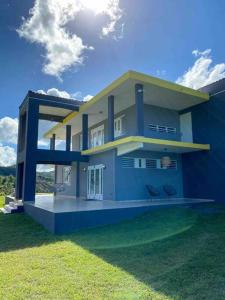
pixel 98 6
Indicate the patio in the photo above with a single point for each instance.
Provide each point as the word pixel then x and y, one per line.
pixel 65 214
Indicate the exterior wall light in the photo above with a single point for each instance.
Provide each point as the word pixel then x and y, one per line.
pixel 165 161
pixel 84 169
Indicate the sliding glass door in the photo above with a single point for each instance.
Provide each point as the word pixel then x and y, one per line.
pixel 95 182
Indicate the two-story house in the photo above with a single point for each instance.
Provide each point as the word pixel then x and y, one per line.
pixel 136 132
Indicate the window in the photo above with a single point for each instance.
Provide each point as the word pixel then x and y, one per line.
pixel 173 165
pixel 146 163
pixel 97 136
pixel 127 162
pixel 118 126
pixel 159 128
pixel 140 163
pixel 151 163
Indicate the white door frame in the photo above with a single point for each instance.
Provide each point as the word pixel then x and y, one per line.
pixel 186 127
pixel 95 188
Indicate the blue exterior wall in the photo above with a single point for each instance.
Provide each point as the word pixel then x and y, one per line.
pixel 204 172
pixel 131 182
pixel 108 159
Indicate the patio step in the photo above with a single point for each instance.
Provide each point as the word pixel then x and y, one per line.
pixel 4 211
pixel 13 207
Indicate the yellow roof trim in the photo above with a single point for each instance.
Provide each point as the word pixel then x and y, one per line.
pixel 114 144
pixel 135 76
pixel 59 125
pixel 167 85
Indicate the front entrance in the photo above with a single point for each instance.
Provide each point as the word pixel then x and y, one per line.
pixel 95 182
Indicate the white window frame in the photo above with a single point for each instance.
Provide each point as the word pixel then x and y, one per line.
pixel 140 163
pixel 162 128
pixel 91 190
pixel 118 122
pixel 97 136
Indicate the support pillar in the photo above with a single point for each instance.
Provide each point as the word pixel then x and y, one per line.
pixel 139 108
pixel 78 179
pixel 52 142
pixel 84 132
pixel 68 137
pixel 111 118
pixel 29 170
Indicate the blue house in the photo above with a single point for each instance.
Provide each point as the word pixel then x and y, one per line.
pixel 139 144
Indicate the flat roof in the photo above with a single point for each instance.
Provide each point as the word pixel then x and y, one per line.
pixel 169 95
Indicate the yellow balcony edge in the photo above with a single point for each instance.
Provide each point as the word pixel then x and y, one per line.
pixel 114 144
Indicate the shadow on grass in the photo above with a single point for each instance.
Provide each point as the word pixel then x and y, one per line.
pixel 178 252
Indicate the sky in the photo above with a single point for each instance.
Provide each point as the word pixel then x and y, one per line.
pixel 74 48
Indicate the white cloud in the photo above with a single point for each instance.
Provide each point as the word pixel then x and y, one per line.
pixel 55 92
pixel 47 23
pixel 203 71
pixel 7 156
pixel 8 130
pixel 45 168
pixel 87 98
pixel 115 13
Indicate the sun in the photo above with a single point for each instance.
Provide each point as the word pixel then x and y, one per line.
pixel 98 6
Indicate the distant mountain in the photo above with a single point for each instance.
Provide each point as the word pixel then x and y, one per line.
pixel 44 180
pixel 6 171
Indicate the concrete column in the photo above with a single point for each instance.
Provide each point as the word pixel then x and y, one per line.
pixel 19 180
pixel 84 132
pixel 29 170
pixel 139 108
pixel 111 118
pixel 78 179
pixel 68 137
pixel 52 142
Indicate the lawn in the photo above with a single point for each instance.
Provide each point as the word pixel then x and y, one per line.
pixel 176 253
pixel 2 201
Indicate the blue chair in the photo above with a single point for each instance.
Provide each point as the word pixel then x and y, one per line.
pixel 169 190
pixel 153 191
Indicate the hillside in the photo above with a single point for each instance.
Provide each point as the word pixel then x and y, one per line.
pixel 45 181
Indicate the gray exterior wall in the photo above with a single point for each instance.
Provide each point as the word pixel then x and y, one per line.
pixel 152 115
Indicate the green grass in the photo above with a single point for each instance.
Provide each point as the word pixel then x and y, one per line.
pixel 2 201
pixel 176 253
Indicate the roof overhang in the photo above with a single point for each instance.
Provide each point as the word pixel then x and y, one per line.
pixel 157 92
pixel 132 143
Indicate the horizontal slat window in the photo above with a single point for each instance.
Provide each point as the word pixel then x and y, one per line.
pixel 159 128
pixel 146 163
pixel 127 162
pixel 151 163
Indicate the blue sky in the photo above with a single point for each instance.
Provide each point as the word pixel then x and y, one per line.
pixel 93 45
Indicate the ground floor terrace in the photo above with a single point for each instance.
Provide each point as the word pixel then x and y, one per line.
pixel 64 214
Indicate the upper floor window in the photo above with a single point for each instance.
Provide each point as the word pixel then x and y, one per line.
pixel 159 128
pixel 118 126
pixel 97 136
